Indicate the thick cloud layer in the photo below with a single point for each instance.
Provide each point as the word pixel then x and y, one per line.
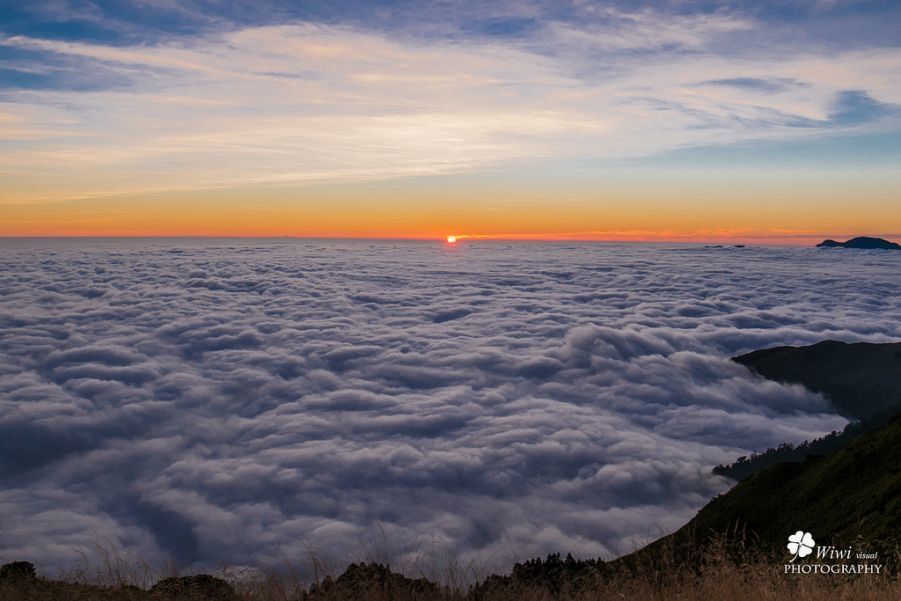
pixel 250 402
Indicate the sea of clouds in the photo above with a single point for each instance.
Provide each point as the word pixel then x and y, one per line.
pixel 255 402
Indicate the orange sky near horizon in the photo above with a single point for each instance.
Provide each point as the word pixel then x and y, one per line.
pixel 681 207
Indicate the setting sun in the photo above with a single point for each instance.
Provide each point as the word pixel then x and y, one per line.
pixel 451 239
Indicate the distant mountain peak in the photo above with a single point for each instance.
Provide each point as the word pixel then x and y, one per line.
pixel 860 378
pixel 866 242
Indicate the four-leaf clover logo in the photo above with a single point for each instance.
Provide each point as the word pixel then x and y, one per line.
pixel 800 544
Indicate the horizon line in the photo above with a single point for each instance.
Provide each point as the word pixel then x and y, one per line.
pixel 787 239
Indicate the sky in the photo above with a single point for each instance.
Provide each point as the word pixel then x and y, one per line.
pixel 771 122
pixel 253 403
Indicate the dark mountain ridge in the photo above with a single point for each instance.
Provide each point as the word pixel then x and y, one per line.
pixel 862 242
pixel 861 379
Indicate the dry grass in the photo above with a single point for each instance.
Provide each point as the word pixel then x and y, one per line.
pixel 717 574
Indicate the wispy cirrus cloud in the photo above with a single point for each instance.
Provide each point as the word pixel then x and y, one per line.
pixel 305 102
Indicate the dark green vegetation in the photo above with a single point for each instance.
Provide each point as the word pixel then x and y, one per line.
pixel 862 380
pixel 554 575
pixel 359 581
pixel 788 452
pixel 849 495
pixel 863 242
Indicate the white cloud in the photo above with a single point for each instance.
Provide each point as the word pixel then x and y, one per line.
pixel 244 402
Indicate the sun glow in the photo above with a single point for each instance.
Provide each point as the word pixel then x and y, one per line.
pixel 451 239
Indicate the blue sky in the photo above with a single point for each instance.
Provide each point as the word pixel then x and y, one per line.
pixel 133 98
pixel 837 24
